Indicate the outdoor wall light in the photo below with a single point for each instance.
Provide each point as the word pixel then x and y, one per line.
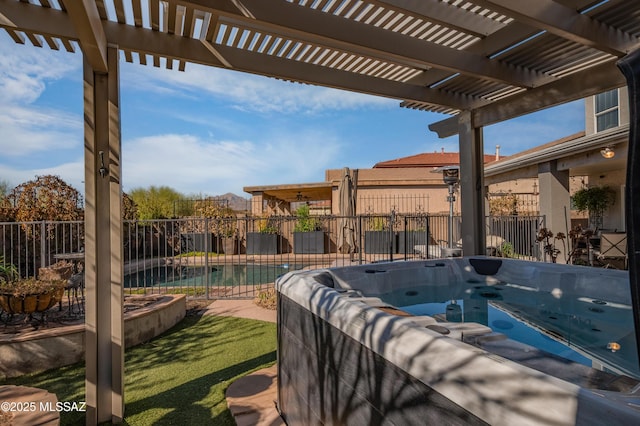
pixel 608 152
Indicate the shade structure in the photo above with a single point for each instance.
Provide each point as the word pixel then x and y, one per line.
pixel 484 61
pixel 347 241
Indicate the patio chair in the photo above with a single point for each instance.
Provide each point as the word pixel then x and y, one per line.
pixel 493 245
pixel 613 250
pixel 432 250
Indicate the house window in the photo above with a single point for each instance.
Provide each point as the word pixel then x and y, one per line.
pixel 606 110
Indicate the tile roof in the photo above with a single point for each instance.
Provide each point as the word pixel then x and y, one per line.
pixel 427 159
pixel 557 142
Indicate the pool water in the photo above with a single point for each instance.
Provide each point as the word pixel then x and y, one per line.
pixel 576 328
pixel 219 275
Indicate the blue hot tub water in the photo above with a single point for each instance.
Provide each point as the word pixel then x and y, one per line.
pixel 339 339
pixel 575 328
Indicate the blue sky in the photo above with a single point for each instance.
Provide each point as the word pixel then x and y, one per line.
pixel 210 131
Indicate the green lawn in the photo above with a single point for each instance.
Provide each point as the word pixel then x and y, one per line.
pixel 181 376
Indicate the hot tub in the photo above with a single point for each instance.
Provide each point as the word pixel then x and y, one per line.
pixel 434 342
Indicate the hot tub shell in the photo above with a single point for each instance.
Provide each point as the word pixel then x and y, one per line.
pixel 344 361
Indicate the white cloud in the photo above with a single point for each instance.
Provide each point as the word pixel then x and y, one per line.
pixel 193 165
pixel 246 91
pixel 25 69
pixel 71 172
pixel 28 130
pixel 25 126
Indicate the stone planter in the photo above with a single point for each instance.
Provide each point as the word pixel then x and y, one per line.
pixel 312 242
pixel 198 242
pixel 379 242
pixel 228 245
pixel 261 243
pixel 407 240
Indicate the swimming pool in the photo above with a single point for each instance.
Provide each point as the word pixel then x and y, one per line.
pixel 218 275
pixel 386 343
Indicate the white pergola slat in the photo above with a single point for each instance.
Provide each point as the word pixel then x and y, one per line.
pixel 372 31
pixel 482 61
pixel 566 23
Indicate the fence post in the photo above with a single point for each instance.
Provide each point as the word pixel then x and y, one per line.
pixel 42 247
pixel 391 234
pixel 405 249
pixel 427 240
pixel 360 240
pixel 206 255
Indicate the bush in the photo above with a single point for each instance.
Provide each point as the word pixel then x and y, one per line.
pixel 46 198
pixel 305 222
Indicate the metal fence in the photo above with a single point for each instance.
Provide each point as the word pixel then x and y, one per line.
pixel 403 204
pixel 238 257
pixel 514 203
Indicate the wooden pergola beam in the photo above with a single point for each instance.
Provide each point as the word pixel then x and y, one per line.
pixel 357 37
pixel 88 25
pixel 580 85
pixel 566 23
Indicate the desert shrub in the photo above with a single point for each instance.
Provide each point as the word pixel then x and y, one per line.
pixel 46 198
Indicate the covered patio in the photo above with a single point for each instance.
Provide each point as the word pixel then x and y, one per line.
pixel 481 61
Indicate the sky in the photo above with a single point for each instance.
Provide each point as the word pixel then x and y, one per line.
pixel 210 131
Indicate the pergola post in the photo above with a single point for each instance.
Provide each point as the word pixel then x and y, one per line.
pixel 471 185
pixel 103 245
pixel 555 201
pixel 257 203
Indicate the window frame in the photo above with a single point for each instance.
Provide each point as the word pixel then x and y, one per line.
pixel 597 114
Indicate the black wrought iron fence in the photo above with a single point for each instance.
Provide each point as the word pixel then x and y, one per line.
pixel 31 245
pixel 417 204
pixel 238 257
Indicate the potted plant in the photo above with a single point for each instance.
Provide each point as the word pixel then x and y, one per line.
pixel 211 229
pixel 228 240
pixel 227 233
pixel 595 200
pixel 546 237
pixel 308 236
pixel 379 238
pixel 8 271
pixel 266 240
pixel 26 296
pixel 412 234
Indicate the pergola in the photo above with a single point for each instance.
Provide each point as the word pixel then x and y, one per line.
pixel 482 61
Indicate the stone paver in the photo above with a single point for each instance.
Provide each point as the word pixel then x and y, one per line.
pixel 252 398
pixel 243 308
pixel 30 406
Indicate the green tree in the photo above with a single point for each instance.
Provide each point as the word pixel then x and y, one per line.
pixel 7 211
pixel 596 200
pixel 5 187
pixel 129 208
pixel 155 202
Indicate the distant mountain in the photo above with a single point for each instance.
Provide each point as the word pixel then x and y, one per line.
pixel 236 202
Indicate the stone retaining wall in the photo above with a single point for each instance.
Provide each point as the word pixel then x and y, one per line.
pixel 51 348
